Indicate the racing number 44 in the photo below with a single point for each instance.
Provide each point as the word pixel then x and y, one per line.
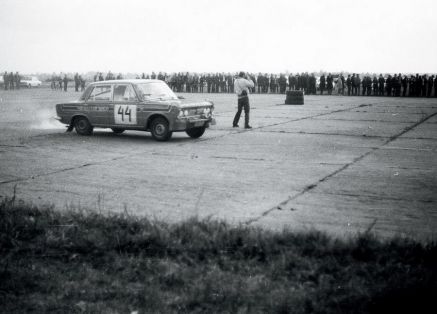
pixel 125 114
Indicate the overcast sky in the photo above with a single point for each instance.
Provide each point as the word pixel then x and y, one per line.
pixel 218 35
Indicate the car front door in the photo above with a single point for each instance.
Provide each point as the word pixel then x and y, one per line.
pixel 99 105
pixel 125 106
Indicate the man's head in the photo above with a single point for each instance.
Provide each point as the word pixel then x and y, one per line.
pixel 241 74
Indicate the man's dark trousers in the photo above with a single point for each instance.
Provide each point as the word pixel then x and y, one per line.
pixel 243 102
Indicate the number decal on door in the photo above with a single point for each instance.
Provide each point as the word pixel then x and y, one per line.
pixel 125 114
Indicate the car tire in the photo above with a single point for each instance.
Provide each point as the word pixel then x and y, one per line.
pixel 83 126
pixel 196 132
pixel 117 130
pixel 160 129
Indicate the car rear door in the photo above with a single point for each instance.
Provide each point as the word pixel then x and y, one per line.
pixel 99 105
pixel 125 105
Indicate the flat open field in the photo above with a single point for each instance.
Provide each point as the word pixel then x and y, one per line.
pixel 337 164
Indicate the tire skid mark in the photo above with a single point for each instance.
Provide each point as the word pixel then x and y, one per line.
pixel 282 205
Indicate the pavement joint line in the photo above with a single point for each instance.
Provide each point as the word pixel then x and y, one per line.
pixel 283 122
pixel 327 134
pixel 182 144
pixel 365 120
pixel 426 201
pixel 310 187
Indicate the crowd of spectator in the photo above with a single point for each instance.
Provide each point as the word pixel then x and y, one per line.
pixel 339 84
pixel 419 85
pixel 11 80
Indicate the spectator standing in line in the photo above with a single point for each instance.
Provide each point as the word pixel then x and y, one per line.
pixel 329 84
pixel 11 81
pixel 82 83
pixel 76 82
pixel 429 86
pixel 358 83
pixel 241 88
pixel 381 83
pixel 354 85
pixel 349 84
pixel 339 86
pixel 322 84
pixel 343 81
pixel 282 84
pixel 6 80
pixel 17 80
pixel 60 81
pixel 404 83
pixel 375 86
pixel 65 82
pixel 435 87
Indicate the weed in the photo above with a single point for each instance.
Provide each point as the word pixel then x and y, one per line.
pixel 86 261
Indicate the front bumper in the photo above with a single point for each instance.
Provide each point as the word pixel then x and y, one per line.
pixel 189 123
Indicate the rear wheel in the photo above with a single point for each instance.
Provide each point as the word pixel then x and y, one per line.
pixel 117 130
pixel 160 129
pixel 83 126
pixel 196 132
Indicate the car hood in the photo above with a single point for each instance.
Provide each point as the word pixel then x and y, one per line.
pixel 181 105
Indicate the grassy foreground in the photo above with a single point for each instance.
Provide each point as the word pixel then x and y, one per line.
pixel 78 261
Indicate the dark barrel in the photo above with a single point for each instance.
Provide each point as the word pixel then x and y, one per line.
pixel 294 97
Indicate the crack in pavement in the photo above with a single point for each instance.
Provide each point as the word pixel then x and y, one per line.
pixel 60 171
pixel 310 187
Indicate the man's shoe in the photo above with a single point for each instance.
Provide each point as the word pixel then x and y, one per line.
pixel 247 127
pixel 235 126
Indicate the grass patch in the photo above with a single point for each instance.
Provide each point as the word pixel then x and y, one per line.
pixel 79 261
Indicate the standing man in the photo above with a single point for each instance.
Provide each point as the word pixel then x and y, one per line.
pixel 381 84
pixel 82 83
pixel 76 82
pixel 241 88
pixel 65 82
pixel 6 80
pixel 17 79
pixel 329 83
pixel 430 84
pixel 349 84
pixel 375 85
pixel 322 84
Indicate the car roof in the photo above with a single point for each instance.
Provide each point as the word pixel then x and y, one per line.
pixel 133 81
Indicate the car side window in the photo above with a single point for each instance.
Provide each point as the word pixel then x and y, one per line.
pixel 101 92
pixel 124 93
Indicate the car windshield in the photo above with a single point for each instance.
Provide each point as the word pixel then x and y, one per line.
pixel 156 90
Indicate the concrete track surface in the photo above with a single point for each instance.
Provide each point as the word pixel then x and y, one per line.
pixel 338 164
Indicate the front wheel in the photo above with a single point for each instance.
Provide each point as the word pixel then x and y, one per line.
pixel 117 130
pixel 83 126
pixel 160 129
pixel 196 132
